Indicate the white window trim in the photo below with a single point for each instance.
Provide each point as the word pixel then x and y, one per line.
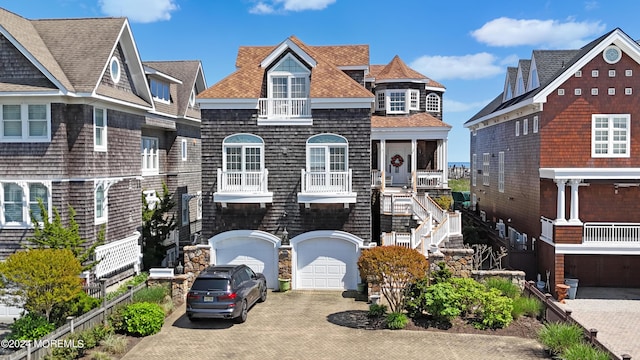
pixel 486 163
pixel 627 118
pixel 407 100
pixel 525 126
pixel 183 149
pixel 326 147
pixel 417 95
pixel 474 169
pixel 595 73
pixel 163 83
pixel 560 92
pixel 289 75
pixel 26 216
pixel 501 171
pixel 116 79
pixel 24 118
pixel 535 124
pixel 243 146
pixel 518 128
pixel 146 155
pixel 105 205
pixel 388 101
pixel 105 137
pixel 439 107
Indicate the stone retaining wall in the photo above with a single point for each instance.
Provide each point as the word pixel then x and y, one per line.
pixel 459 261
pixel 515 276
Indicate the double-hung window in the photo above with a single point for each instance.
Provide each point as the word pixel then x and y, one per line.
pixel 243 163
pixel 610 135
pixel 25 123
pixel 486 160
pixel 20 200
pixel 327 163
pixel 149 152
pixel 398 101
pixel 99 129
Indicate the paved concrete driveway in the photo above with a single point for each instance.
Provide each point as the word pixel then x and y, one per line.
pixel 297 325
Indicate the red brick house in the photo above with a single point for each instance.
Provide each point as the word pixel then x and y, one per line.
pixel 556 161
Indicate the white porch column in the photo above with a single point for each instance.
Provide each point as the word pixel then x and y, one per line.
pixel 445 164
pixel 560 217
pixel 383 155
pixel 414 152
pixel 574 216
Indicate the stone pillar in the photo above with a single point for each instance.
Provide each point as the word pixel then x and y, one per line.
pixel 560 213
pixel 284 262
pixel 196 259
pixel 574 215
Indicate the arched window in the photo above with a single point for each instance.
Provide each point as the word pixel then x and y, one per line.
pixel 327 153
pixel 243 153
pixel 433 103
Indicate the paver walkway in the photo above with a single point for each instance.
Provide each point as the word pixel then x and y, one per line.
pixel 295 325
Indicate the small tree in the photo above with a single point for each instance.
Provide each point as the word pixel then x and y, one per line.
pixel 157 222
pixel 42 278
pixel 393 268
pixel 54 235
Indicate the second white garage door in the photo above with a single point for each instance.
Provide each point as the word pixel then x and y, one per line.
pixel 326 263
pixel 259 255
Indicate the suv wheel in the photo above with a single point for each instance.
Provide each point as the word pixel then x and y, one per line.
pixel 243 313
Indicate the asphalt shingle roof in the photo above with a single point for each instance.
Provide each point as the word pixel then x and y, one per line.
pixel 414 120
pixel 185 71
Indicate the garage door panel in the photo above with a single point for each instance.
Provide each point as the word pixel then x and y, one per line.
pixel 258 254
pixel 326 264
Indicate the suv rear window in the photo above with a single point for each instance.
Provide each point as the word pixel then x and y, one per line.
pixel 210 284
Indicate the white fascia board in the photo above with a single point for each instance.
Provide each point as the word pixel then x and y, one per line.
pixel 391 81
pixel 151 71
pixel 122 103
pixel 354 67
pixel 506 113
pixel 413 133
pixel 341 103
pixel 34 93
pixel 216 104
pixel 434 88
pixel 627 45
pixel 590 173
pixel 602 248
pixel 287 44
pixel 33 60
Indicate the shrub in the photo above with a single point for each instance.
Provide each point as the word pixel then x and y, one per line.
pixel 469 294
pixel 415 300
pixel 153 294
pixel 80 304
pixel 99 355
pixel 441 300
pixel 397 320
pixel 377 310
pixel 69 352
pixel 122 289
pixel 583 351
pixel 116 319
pixel 444 202
pixel 31 326
pixel 526 306
pixel 101 331
pixel 115 344
pixel 506 287
pixel 394 268
pixel 442 274
pixel 495 310
pixel 559 336
pixel 142 319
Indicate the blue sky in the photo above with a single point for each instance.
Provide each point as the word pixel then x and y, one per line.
pixel 465 45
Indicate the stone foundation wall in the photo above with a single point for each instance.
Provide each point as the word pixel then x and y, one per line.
pixel 516 277
pixel 459 261
pixel 179 286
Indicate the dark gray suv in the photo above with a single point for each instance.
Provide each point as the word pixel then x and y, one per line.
pixel 225 292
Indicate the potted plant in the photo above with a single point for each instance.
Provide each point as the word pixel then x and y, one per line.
pixel 284 284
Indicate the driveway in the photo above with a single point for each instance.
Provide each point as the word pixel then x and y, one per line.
pixel 297 325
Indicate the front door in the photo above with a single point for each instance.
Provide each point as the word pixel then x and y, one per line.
pixel 398 163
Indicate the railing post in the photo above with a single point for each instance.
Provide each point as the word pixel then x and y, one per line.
pixel 103 294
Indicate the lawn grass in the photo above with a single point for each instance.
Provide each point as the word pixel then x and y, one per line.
pixel 462 184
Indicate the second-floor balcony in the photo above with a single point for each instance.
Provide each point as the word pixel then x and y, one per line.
pixel 326 187
pixel 284 108
pixel 419 179
pixel 592 237
pixel 243 187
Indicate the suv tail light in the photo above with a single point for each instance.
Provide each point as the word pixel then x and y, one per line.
pixel 227 297
pixel 193 296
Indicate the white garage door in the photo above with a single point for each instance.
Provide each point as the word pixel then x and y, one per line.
pixel 325 263
pixel 259 255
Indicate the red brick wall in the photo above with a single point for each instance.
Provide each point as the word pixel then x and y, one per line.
pixel 565 125
pixel 567 234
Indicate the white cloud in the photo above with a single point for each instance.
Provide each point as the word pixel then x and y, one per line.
pixel 451 106
pixel 143 11
pixel 279 6
pixel 468 67
pixel 551 33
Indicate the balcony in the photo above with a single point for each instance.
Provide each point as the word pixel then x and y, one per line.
pixel 284 110
pixel 326 187
pixel 420 179
pixel 592 237
pixel 243 187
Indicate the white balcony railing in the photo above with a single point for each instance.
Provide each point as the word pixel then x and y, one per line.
pixel 118 255
pixel 547 228
pixel 611 233
pixel 429 178
pixel 284 108
pixel 331 182
pixel 243 181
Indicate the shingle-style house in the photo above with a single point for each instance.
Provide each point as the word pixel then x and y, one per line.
pixel 287 164
pixel 556 163
pixel 82 125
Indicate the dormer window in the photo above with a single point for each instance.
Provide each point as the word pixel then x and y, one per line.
pixel 160 90
pixel 287 91
pixel 519 85
pixel 398 101
pixel 534 82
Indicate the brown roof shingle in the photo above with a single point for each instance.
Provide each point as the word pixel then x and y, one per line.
pixel 185 71
pixel 413 120
pixel 398 70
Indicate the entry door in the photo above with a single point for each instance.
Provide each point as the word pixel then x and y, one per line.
pixel 398 163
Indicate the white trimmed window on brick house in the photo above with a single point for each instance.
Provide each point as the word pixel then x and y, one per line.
pixel 25 123
pixel 535 124
pixel 610 135
pixel 99 129
pixel 19 199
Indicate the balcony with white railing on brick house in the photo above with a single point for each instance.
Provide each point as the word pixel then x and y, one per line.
pixel 592 237
pixel 326 187
pixel 245 187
